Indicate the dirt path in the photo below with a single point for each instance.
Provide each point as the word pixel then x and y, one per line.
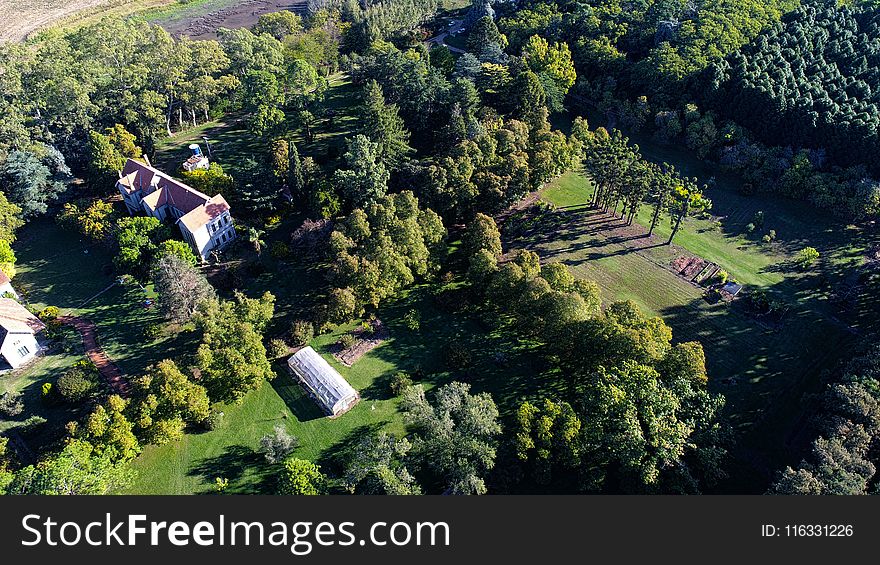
pixel 108 369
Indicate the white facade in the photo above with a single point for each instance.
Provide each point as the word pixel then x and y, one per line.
pixel 19 349
pixel 205 222
pixel 18 333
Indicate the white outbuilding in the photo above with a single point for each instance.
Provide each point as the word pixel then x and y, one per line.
pixel 329 389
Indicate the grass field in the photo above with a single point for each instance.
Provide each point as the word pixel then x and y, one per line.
pixel 774 368
pixel 56 267
pixel 192 464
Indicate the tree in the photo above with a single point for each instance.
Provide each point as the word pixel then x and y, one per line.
pixel 109 150
pixel 29 183
pixel 301 477
pixel 212 180
pixel 180 286
pixel 296 182
pixel 7 259
pixel 136 240
pixel 482 233
pixel 377 466
pixel 76 470
pixel 95 221
pixel 179 249
pixel 278 24
pixel 484 32
pixel 276 446
pixel 382 123
pixel 164 401
pixel 687 198
pixel 554 61
pixel 232 357
pixel 455 437
pixel 279 159
pixel 10 219
pixel 108 431
pixel 365 178
pixel 548 435
pixel 255 238
pixel 634 420
pixel 380 250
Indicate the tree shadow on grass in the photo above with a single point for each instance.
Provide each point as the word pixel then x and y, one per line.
pixel 334 459
pixel 291 392
pixel 233 464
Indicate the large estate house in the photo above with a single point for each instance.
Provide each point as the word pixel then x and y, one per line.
pixel 204 221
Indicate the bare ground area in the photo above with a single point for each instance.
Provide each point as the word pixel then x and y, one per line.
pixel 364 343
pixel 20 18
pixel 204 21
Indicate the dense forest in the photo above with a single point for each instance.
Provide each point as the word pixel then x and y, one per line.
pixel 811 81
pixel 440 143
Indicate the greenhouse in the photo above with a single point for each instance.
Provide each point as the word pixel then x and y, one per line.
pixel 329 389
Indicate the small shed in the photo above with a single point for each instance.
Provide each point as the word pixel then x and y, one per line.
pixel 732 288
pixel 329 389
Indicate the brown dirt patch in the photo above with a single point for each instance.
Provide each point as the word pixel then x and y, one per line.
pixel 203 25
pixel 364 343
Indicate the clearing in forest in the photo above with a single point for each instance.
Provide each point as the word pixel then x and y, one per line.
pixel 764 370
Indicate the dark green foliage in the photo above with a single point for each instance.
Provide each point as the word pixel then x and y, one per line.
pixel 77 383
pixel 812 80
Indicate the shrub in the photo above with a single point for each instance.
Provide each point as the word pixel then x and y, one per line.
pixel 46 393
pixel 273 220
pixel 11 404
pixel 750 228
pixel 48 313
pixel 772 234
pixel 399 382
pixel 346 341
pixel 767 238
pixel 412 320
pixel 32 423
pixel 76 384
pixel 806 257
pixel 758 219
pixel 279 250
pixel 301 332
pixel 152 331
pixel 277 348
pixel 457 355
pixel 214 420
pixel 276 446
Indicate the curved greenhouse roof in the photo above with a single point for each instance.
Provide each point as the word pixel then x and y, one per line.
pixel 330 390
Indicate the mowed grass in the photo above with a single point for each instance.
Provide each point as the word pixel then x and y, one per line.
pixel 774 369
pixel 56 267
pixel 231 452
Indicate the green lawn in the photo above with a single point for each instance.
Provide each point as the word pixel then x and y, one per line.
pixel 56 267
pixel 192 464
pixel 774 368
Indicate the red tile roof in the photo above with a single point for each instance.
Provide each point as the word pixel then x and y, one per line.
pixel 197 208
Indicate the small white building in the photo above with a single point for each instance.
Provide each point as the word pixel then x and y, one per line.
pixel 203 220
pixel 329 389
pixel 18 333
pixel 197 160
